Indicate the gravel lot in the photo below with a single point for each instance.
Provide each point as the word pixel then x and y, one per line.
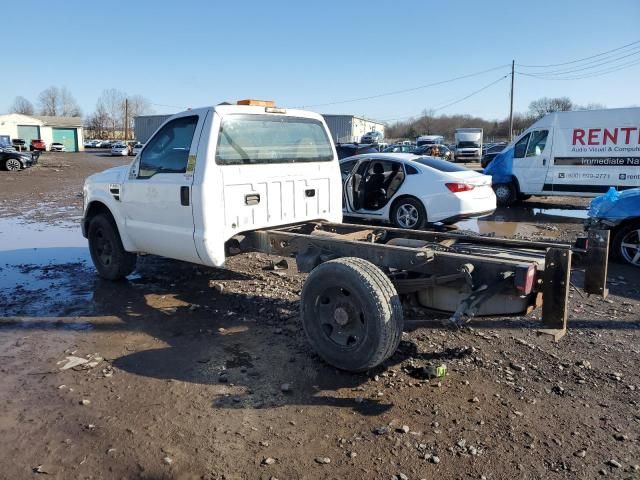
pixel 191 372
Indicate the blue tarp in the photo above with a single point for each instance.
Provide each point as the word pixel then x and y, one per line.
pixel 616 205
pixel 501 167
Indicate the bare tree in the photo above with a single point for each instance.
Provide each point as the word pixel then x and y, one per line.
pixel 68 105
pixel 112 102
pixel 98 123
pixel 539 108
pixel 22 105
pixel 55 101
pixel 48 101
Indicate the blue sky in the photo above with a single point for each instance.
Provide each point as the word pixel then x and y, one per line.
pixel 195 53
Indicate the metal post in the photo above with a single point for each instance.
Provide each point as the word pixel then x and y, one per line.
pixel 513 64
pixel 126 118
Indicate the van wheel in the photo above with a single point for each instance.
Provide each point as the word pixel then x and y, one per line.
pixel 505 194
pixel 626 244
pixel 110 258
pixel 351 314
pixel 408 213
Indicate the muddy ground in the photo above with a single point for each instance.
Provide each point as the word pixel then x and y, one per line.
pixel 185 367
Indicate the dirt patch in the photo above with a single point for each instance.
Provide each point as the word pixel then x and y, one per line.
pixel 195 372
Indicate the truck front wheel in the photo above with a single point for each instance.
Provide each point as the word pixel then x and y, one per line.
pixel 506 194
pixel 351 314
pixel 110 258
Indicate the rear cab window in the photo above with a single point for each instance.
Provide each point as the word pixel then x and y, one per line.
pixel 271 139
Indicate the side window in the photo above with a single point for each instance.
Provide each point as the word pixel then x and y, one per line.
pixel 168 150
pixel 346 167
pixel 521 147
pixel 537 143
pixel 410 169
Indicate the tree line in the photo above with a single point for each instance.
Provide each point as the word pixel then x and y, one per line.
pixel 494 130
pixel 112 117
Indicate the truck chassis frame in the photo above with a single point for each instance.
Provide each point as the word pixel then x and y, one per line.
pixel 466 275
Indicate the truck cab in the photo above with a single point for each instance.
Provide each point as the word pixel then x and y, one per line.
pixel 207 175
pixel 468 144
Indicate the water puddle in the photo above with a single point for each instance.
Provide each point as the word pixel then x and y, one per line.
pixel 523 221
pixel 45 270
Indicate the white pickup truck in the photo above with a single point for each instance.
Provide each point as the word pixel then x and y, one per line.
pixel 267 179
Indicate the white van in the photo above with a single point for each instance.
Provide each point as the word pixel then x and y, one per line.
pixel 429 140
pixel 579 153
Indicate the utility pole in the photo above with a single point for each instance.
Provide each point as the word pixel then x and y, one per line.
pixel 513 64
pixel 126 114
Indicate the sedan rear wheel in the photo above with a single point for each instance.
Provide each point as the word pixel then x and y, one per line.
pixel 408 213
pixel 12 164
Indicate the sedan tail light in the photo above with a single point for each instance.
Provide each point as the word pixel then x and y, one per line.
pixel 459 187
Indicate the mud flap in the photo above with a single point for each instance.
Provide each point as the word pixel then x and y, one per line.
pixel 595 280
pixel 555 290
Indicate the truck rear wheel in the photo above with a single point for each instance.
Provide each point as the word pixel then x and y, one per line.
pixel 110 258
pixel 351 314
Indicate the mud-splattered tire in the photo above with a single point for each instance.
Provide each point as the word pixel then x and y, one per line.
pixel 110 258
pixel 351 314
pixel 506 194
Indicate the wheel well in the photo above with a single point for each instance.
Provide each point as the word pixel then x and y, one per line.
pixel 95 208
pixel 626 223
pixel 402 197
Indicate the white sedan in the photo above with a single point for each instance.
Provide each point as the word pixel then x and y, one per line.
pixel 410 190
pixel 120 149
pixel 58 147
pixel 137 148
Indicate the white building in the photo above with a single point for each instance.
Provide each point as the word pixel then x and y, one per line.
pixel 349 128
pixel 65 130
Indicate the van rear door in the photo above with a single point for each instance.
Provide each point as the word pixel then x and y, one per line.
pixel 531 159
pixel 276 169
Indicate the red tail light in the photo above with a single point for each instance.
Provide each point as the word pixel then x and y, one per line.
pixel 459 187
pixel 525 275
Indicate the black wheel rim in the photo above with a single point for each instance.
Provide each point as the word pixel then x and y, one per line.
pixel 103 248
pixel 341 317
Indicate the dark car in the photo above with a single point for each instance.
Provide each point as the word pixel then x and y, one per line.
pixel 491 153
pixel 12 160
pixel 350 149
pixel 18 143
pixel 38 145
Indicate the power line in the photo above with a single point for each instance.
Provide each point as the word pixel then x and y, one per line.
pixel 446 105
pixel 406 90
pixel 580 59
pixel 586 75
pixel 596 64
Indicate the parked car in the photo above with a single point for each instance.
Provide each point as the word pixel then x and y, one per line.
pixel 372 137
pixel 137 148
pixel 350 149
pixel 38 145
pixel 120 149
pixel 96 143
pixel 619 212
pixel 410 191
pixel 399 148
pixel 18 143
pixel 58 147
pixel 491 153
pixel 12 160
pixel 106 144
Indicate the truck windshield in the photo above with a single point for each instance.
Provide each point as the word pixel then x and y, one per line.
pixel 255 139
pixel 468 145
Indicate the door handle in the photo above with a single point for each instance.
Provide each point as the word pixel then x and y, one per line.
pixel 184 196
pixel 544 161
pixel 310 192
pixel 252 199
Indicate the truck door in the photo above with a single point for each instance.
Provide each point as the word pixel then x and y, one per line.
pixel 531 160
pixel 156 197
